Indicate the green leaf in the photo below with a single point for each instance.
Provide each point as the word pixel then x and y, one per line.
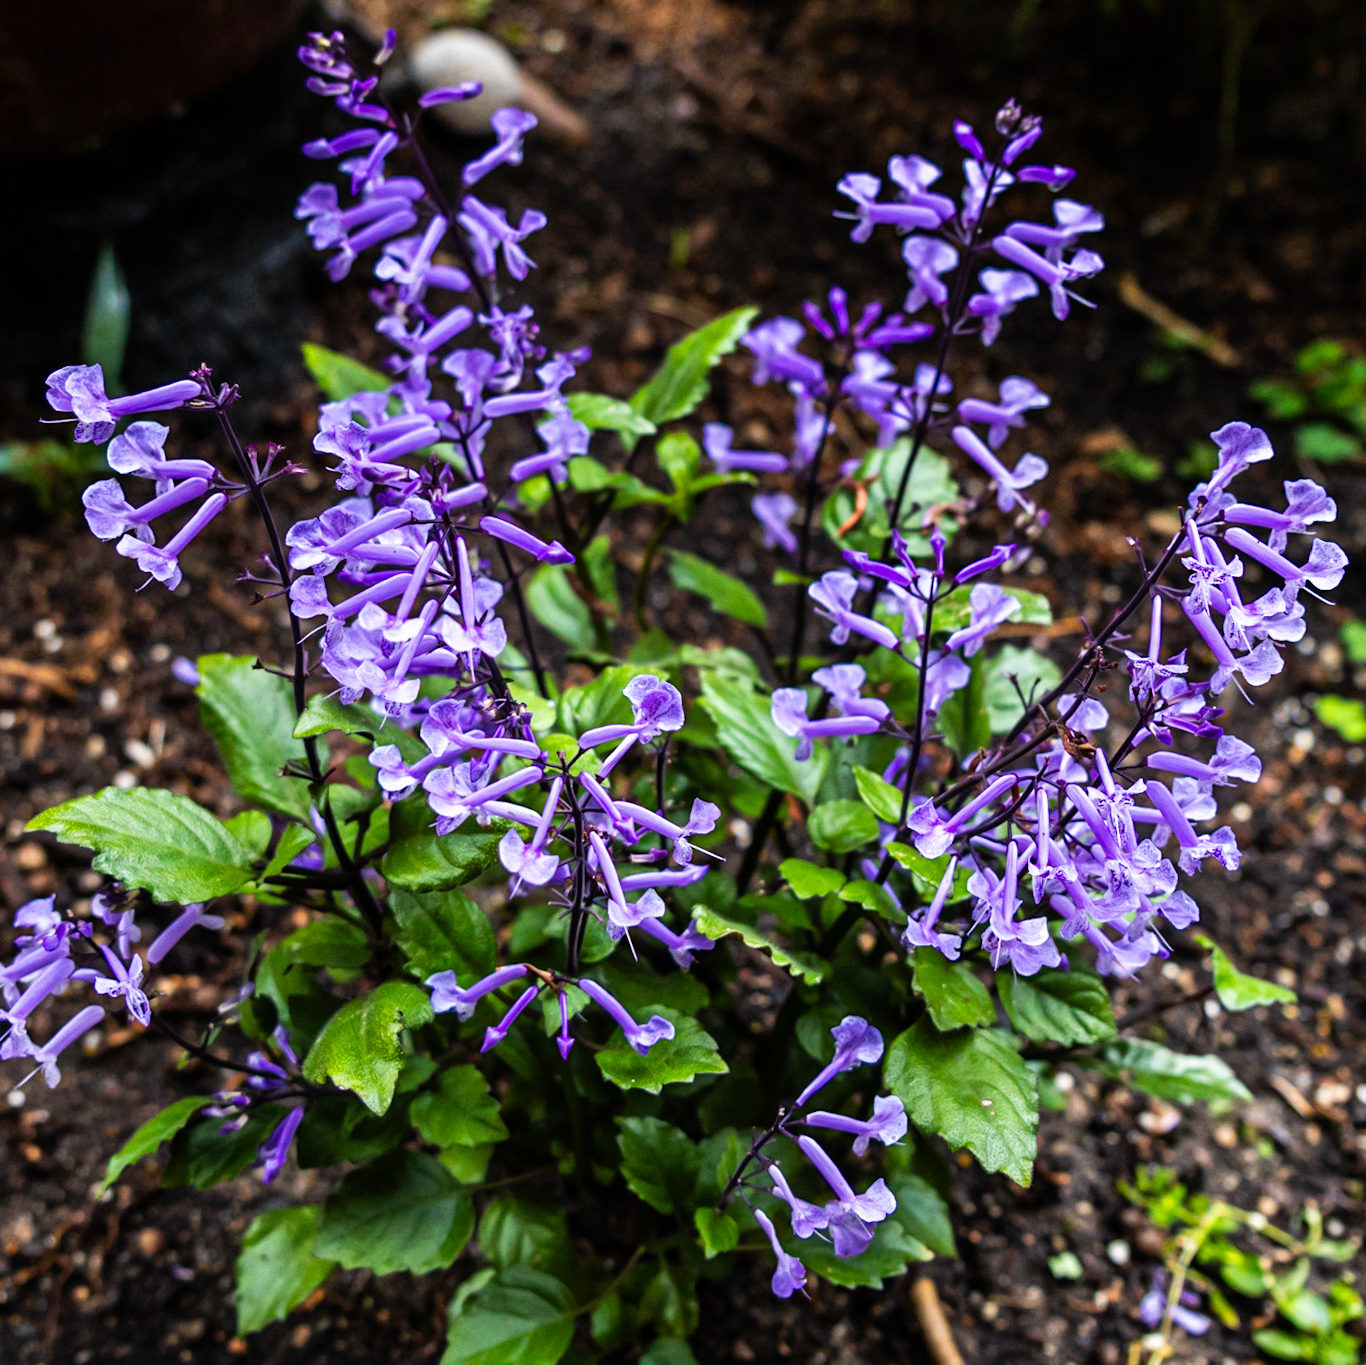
pixel 972 1088
pixel 842 826
pixel 104 334
pixel 1157 1070
pixel 681 382
pixel 953 995
pixel 250 715
pixel 443 931
pixel 1345 715
pixel 419 859
pixel 924 1213
pixel 277 1270
pixel 330 942
pixel 745 730
pixel 1284 1345
pixel 893 1248
pixel 1013 672
pixel 692 1051
pixel 203 1155
pixel 927 873
pixel 551 599
pixel 460 1112
pixel 358 1048
pixel 668 1351
pixel 1237 990
pixel 1353 637
pixel 658 1162
pixel 601 412
pixel 1325 443
pixel 883 799
pixel 808 879
pixel 718 1232
pixel 159 1128
pixel 715 926
pixel 1052 1006
pixel 520 1317
pixel 338 376
pixel 872 896
pixel 402 1211
pixel 516 1231
pixel 154 839
pixel 323 714
pixel 598 565
pixel 725 593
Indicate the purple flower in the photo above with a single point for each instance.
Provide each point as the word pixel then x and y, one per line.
pixel 274 1151
pixel 79 389
pixel 927 258
pixel 788 709
pixel 511 125
pixel 790 1276
pixel 656 706
pixel 834 593
pixel 191 917
pixel 850 1214
pixel 857 1043
pixel 887 1125
pixel 1029 469
pixel 1152 1311
pixel 1002 290
pixel 1017 397
pixel 922 933
pixel 124 980
pixel 716 439
pixel 447 994
pixel 642 1037
pixel 774 511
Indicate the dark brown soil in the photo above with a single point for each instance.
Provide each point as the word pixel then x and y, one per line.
pixel 723 126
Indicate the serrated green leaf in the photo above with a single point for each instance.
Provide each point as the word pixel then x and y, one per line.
pixel 929 872
pixel 658 1162
pixel 250 715
pixel 872 896
pixel 841 826
pixel 460 1112
pixel 402 1211
pixel 809 879
pixel 745 730
pixel 680 383
pixel 1053 1006
pixel 338 376
pixel 601 412
pixel 726 594
pixel 953 995
pixel 972 1088
pixel 443 931
pixel 718 1232
pixel 1237 990
pixel 519 1317
pixel 158 1129
pixel 277 1270
pixel 358 1048
pixel 691 1052
pixel 154 839
pixel 1157 1070
pixel 715 926
pixel 419 859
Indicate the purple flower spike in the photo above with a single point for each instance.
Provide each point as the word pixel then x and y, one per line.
pixel 857 1043
pixel 790 1276
pixel 511 125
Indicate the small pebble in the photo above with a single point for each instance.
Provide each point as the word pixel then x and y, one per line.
pixel 1118 1252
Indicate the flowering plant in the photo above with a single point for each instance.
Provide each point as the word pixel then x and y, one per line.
pixel 528 957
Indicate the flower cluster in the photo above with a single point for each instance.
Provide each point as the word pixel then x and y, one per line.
pixel 55 953
pixel 848 1220
pixel 1053 834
